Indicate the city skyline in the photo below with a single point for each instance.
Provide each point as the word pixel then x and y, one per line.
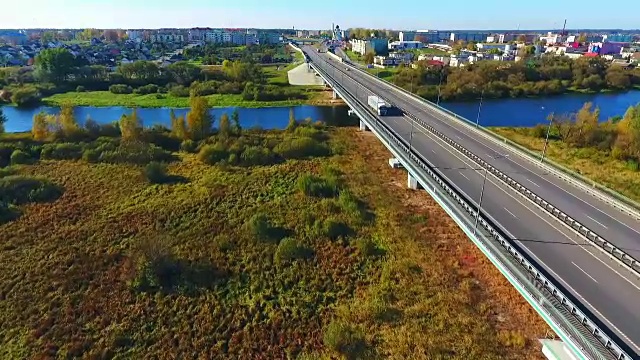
pixel 126 14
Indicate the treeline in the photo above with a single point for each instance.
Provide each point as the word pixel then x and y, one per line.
pixel 547 75
pixel 620 136
pixel 216 54
pixel 56 70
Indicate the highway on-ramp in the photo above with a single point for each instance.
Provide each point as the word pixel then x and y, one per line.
pixel 606 290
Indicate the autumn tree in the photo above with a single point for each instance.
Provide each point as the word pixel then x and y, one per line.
pixel 627 142
pixel 225 126
pixel 40 128
pixel 199 118
pixel 110 35
pixel 235 119
pixel 68 125
pixel 292 121
pixel 178 126
pixel 131 126
pixel 368 57
pixel 586 125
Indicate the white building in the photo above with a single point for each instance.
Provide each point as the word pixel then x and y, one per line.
pixel 404 45
pixel 552 38
pixel 407 35
pixel 166 38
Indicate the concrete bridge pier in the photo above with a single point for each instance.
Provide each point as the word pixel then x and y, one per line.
pixel 334 95
pixel 363 126
pixel 412 183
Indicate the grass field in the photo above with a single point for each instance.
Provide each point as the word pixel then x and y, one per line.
pixel 595 164
pixel 402 281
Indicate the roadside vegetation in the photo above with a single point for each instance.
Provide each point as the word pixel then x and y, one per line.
pixel 607 152
pixel 211 240
pixel 59 78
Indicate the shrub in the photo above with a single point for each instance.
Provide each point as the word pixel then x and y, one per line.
pixel 256 155
pixel 345 340
pixel 155 172
pixel 7 213
pixel 366 247
pixel 26 96
pixel 633 165
pixel 289 249
pixel 259 226
pixel 316 186
pixel 335 229
pixel 7 171
pixel 539 131
pixel 120 89
pixel 147 89
pixel 64 151
pixel 179 91
pixel 136 153
pixel 213 154
pixel 300 148
pixel 80 88
pixel 17 189
pixel 189 146
pixel 20 157
pixel 91 156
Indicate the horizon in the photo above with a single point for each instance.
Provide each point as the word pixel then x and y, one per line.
pixel 279 14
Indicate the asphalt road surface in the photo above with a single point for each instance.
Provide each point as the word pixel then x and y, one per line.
pixel 606 290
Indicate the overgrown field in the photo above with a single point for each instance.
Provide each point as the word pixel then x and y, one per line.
pixel 319 253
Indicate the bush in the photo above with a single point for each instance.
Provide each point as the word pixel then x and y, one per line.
pixel 155 172
pixel 147 89
pixel 366 247
pixel 289 250
pixel 91 156
pixel 120 89
pixel 256 155
pixel 136 153
pixel 539 131
pixel 259 226
pixel 213 154
pixel 189 146
pixel 7 171
pixel 300 148
pixel 633 165
pixel 316 186
pixel 64 151
pixel 179 91
pixel 26 96
pixel 17 189
pixel 335 229
pixel 80 88
pixel 345 340
pixel 7 213
pixel 20 157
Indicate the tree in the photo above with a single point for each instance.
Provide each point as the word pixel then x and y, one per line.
pixel 369 57
pixel 199 119
pixel 224 127
pixel 617 78
pixel 3 120
pixel 110 35
pixel 131 126
pixel 522 39
pixel 184 73
pixel 235 119
pixel 40 129
pixel 292 121
pixel 68 124
pixel 178 126
pixel 54 65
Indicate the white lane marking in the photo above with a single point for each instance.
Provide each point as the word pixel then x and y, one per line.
pixel 464 130
pixel 597 222
pixel 433 151
pixel 584 272
pixel 510 212
pixel 531 181
pixel 538 215
pixel 463 175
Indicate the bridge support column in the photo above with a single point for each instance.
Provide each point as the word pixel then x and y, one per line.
pixel 335 95
pixel 412 183
pixel 363 126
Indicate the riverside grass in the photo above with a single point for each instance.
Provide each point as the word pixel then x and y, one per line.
pixel 406 283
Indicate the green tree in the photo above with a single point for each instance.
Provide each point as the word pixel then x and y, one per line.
pixel 54 65
pixel 3 120
pixel 184 73
pixel 131 126
pixel 235 119
pixel 225 126
pixel 199 118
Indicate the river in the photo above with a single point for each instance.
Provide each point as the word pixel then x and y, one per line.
pixel 502 112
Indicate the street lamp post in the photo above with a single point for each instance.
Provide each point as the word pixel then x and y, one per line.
pixel 546 140
pixel 484 181
pixel 479 109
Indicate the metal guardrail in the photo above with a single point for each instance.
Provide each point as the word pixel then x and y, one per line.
pixel 590 235
pixel 562 315
pixel 600 191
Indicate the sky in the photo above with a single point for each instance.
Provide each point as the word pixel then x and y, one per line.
pixel 410 15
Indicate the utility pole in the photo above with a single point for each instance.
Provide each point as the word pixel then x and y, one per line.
pixel 546 140
pixel 479 109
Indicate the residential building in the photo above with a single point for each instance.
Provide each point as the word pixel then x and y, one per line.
pixel 404 45
pixel 606 48
pixel 468 36
pixel 622 38
pixel 487 47
pixel 135 34
pixel 13 37
pixel 551 38
pixel 428 36
pixel 376 45
pixel 198 34
pixel 166 37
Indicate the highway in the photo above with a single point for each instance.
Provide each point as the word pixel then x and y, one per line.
pixel 606 290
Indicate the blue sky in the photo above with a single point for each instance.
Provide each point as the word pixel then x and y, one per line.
pixel 408 14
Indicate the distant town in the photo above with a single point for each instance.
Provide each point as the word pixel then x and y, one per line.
pixel 386 48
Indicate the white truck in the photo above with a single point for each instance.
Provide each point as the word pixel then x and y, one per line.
pixel 378 105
